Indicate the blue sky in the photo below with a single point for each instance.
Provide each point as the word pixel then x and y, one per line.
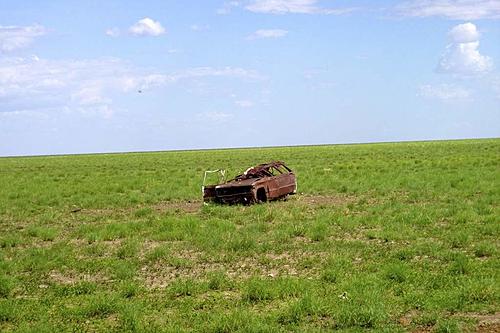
pixel 106 76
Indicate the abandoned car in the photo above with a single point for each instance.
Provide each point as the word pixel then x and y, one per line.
pixel 261 183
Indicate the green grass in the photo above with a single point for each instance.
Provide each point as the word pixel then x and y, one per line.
pixel 381 237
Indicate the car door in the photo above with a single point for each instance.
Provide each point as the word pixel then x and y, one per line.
pixel 273 187
pixel 286 183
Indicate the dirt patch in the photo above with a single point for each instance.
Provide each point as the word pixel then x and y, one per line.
pixel 189 206
pixel 194 206
pixel 424 329
pixel 486 318
pixel 488 328
pixel 69 278
pixel 162 273
pixel 487 323
pixel 407 318
pixel 149 245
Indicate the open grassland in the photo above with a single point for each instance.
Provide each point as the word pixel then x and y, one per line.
pixel 387 237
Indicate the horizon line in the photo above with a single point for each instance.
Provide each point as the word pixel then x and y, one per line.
pixel 244 147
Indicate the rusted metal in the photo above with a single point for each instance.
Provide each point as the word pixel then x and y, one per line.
pixel 261 183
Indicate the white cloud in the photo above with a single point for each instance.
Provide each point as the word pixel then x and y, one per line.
pixel 445 92
pixel 462 55
pixel 90 95
pixel 268 33
pixel 464 58
pixel 113 32
pixel 197 27
pixel 16 37
pixel 147 27
pixel 452 9
pixel 292 6
pixel 214 116
pixel 228 7
pixel 313 73
pixel 234 72
pixel 464 33
pixel 87 86
pixel 33 84
pixel 244 103
pixel 144 82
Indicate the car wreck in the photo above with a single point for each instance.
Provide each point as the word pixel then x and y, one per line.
pixel 261 183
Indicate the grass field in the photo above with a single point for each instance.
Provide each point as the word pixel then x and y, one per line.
pixel 386 237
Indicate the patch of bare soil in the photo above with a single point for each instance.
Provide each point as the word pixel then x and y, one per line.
pixel 424 329
pixel 488 328
pixel 487 323
pixel 407 318
pixel 189 206
pixel 68 278
pixel 194 206
pixel 486 318
pixel 161 274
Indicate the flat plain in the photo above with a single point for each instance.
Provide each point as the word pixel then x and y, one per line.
pixel 389 237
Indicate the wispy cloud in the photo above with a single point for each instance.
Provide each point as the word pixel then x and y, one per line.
pixel 227 7
pixel 214 116
pixel 113 32
pixel 18 37
pixel 244 103
pixel 235 72
pixel 452 9
pixel 293 7
pixel 462 55
pixel 147 27
pixel 445 92
pixel 268 33
pixel 198 27
pixel 31 84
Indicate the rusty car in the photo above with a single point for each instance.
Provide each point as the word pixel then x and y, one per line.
pixel 261 183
